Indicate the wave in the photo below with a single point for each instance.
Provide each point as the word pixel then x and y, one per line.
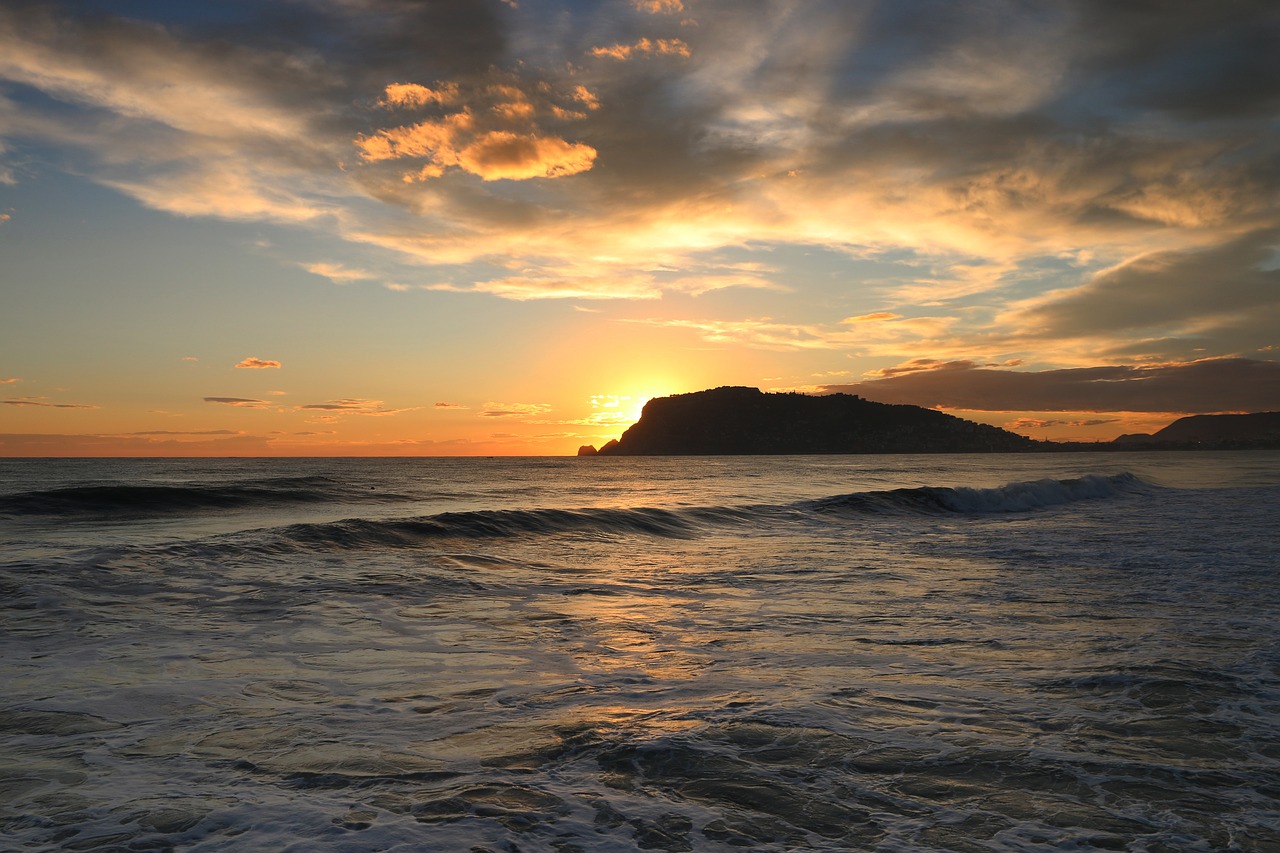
pixel 489 524
pixel 687 522
pixel 118 499
pixel 1015 497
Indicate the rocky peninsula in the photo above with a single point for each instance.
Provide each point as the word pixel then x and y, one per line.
pixel 734 420
pixel 1223 432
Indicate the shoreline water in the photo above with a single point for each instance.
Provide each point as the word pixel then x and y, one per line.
pixel 909 653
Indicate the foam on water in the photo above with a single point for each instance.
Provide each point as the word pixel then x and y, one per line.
pixel 1069 662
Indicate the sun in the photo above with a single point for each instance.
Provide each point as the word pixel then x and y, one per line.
pixel 616 409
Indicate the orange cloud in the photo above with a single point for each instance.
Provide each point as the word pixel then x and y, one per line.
pixel 500 142
pixel 586 97
pixel 10 381
pixel 507 410
pixel 414 95
pixel 643 47
pixel 254 363
pixel 502 154
pixel 872 318
pixel 656 7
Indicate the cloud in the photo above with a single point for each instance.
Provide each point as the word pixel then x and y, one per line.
pixel 877 317
pixel 186 432
pixel 42 401
pixel 877 337
pixel 450 406
pixel 1206 386
pixel 492 131
pixel 337 273
pixel 1020 424
pixel 643 47
pixel 604 278
pixel 345 405
pixel 354 406
pixel 12 381
pixel 550 286
pixel 1230 291
pixel 513 410
pixel 659 7
pixel 917 365
pixel 254 363
pixel 416 95
pixel 1029 168
pixel 238 402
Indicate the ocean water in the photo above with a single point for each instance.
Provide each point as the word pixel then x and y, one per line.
pixel 888 653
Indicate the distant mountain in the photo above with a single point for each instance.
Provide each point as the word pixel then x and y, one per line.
pixel 1260 429
pixel 738 420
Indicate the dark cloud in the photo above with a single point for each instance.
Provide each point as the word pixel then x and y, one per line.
pixel 40 401
pixel 345 405
pixel 367 39
pixel 1209 385
pixel 1201 60
pixel 1045 423
pixel 238 402
pixel 185 432
pixel 373 408
pixel 1167 289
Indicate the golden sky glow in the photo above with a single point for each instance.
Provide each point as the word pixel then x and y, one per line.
pixel 497 227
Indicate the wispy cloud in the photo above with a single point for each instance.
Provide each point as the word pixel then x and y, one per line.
pixel 238 402
pixel 354 406
pixel 337 273
pixel 513 410
pixel 44 402
pixel 186 432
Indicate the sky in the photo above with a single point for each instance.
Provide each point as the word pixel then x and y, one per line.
pixel 498 227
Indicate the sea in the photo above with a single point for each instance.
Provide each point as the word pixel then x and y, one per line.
pixel 974 652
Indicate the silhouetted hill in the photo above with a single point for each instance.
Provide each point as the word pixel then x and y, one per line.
pixel 737 420
pixel 1260 429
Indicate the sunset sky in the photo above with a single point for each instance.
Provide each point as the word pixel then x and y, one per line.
pixel 429 227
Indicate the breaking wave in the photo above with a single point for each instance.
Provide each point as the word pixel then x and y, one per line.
pixel 1015 497
pixel 686 522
